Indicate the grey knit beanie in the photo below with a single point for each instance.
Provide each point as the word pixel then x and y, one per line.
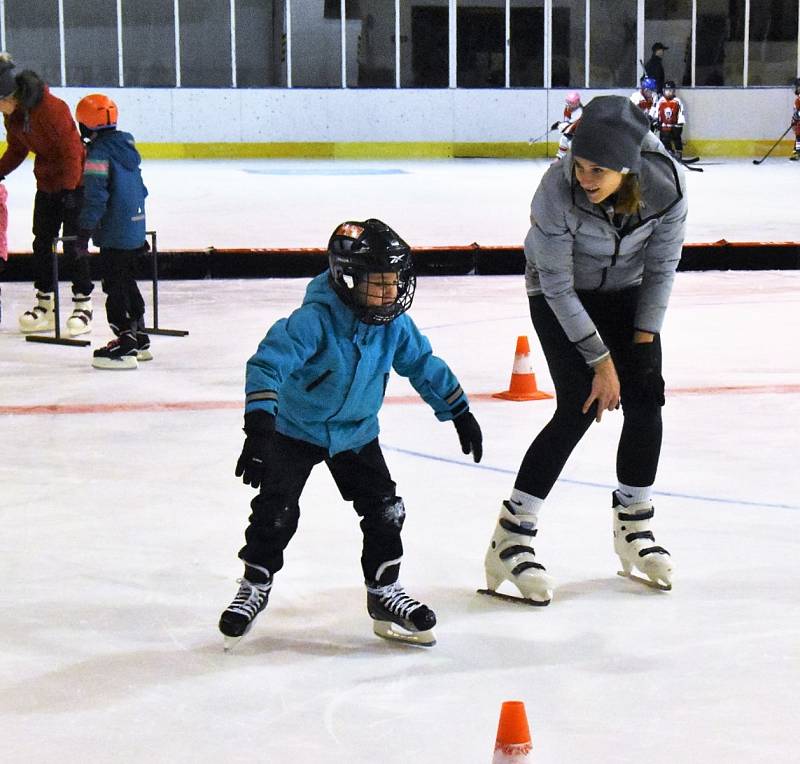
pixel 8 83
pixel 610 133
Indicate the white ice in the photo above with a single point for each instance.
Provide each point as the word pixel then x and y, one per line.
pixel 121 520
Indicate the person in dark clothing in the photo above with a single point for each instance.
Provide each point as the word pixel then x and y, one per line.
pixel 655 66
pixel 37 121
pixel 113 216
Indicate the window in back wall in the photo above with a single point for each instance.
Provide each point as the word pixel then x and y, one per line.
pixel 32 38
pixel 90 42
pixel 148 43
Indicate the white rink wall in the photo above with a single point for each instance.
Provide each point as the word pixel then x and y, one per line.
pixel 187 115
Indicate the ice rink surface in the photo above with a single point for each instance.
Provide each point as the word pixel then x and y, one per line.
pixel 121 522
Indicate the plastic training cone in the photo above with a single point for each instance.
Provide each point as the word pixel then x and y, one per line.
pixel 523 380
pixel 513 744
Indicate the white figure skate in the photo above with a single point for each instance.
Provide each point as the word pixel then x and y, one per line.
pixel 511 557
pixel 80 322
pixel 40 318
pixel 634 542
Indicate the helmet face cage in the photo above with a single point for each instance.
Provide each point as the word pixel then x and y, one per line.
pixel 371 270
pixel 669 87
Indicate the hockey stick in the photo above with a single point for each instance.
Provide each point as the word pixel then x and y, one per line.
pixel 691 167
pixel 531 141
pixel 759 161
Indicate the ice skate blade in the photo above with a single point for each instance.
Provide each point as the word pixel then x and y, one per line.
pixel 230 642
pixel 646 581
pixel 512 598
pixel 394 633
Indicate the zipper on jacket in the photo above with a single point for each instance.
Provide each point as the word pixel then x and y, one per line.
pixel 319 380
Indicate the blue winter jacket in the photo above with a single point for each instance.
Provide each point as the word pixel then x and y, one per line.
pixel 113 192
pixel 324 373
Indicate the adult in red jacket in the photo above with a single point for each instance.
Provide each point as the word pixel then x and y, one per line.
pixel 37 121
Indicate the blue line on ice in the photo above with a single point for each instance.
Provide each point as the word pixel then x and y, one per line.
pixel 503 471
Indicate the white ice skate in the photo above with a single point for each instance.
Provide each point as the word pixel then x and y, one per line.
pixel 635 544
pixel 41 317
pixel 80 322
pixel 511 557
pixel 399 617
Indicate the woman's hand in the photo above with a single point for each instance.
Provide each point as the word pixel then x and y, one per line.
pixel 605 389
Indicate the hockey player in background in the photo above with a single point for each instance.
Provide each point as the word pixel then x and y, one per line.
pixel 671 117
pixel 796 121
pixel 113 216
pixel 607 227
pixel 573 109
pixel 313 391
pixel 644 97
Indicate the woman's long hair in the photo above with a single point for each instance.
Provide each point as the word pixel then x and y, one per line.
pixel 629 195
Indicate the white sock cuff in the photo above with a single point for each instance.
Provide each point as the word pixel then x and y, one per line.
pixel 630 494
pixel 524 504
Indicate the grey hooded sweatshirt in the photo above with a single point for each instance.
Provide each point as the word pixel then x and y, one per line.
pixel 575 245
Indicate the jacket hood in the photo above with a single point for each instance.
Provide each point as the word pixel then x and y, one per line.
pixel 321 291
pixel 121 145
pixel 31 88
pixel 660 179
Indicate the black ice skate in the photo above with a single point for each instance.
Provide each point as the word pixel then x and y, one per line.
pixel 250 600
pixel 143 347
pixel 398 617
pixel 120 353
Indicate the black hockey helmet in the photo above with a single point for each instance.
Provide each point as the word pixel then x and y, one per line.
pixel 358 249
pixel 669 85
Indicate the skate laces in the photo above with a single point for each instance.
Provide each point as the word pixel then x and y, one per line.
pixel 249 597
pixel 394 598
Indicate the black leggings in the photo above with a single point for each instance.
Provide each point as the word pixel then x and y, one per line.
pixel 642 394
pixel 673 138
pixel 50 213
pixel 361 477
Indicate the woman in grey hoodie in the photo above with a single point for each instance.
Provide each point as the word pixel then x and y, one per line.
pixel 607 228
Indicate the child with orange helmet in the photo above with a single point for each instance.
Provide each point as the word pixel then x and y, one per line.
pixel 113 216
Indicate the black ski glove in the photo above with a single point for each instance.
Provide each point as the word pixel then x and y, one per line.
pixel 252 464
pixel 469 433
pixel 82 243
pixel 555 125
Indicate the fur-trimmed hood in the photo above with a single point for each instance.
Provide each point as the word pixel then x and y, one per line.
pixel 30 89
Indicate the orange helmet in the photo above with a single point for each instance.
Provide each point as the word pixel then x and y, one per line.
pixel 96 112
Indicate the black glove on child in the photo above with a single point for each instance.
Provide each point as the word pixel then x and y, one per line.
pixel 469 433
pixel 82 243
pixel 252 464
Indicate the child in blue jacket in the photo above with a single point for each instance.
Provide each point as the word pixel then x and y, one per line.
pixel 113 215
pixel 313 392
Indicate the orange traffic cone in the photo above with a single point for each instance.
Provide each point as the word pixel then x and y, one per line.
pixel 523 380
pixel 513 744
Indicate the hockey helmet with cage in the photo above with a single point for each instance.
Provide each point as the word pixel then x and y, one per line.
pixel 573 99
pixel 648 83
pixel 358 252
pixel 96 112
pixel 669 86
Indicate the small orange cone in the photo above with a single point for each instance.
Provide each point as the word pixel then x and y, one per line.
pixel 523 380
pixel 513 744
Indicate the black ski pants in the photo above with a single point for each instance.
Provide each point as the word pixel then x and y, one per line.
pixel 361 477
pixel 124 302
pixel 51 213
pixel 641 384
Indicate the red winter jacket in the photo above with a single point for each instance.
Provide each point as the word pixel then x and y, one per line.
pixel 43 124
